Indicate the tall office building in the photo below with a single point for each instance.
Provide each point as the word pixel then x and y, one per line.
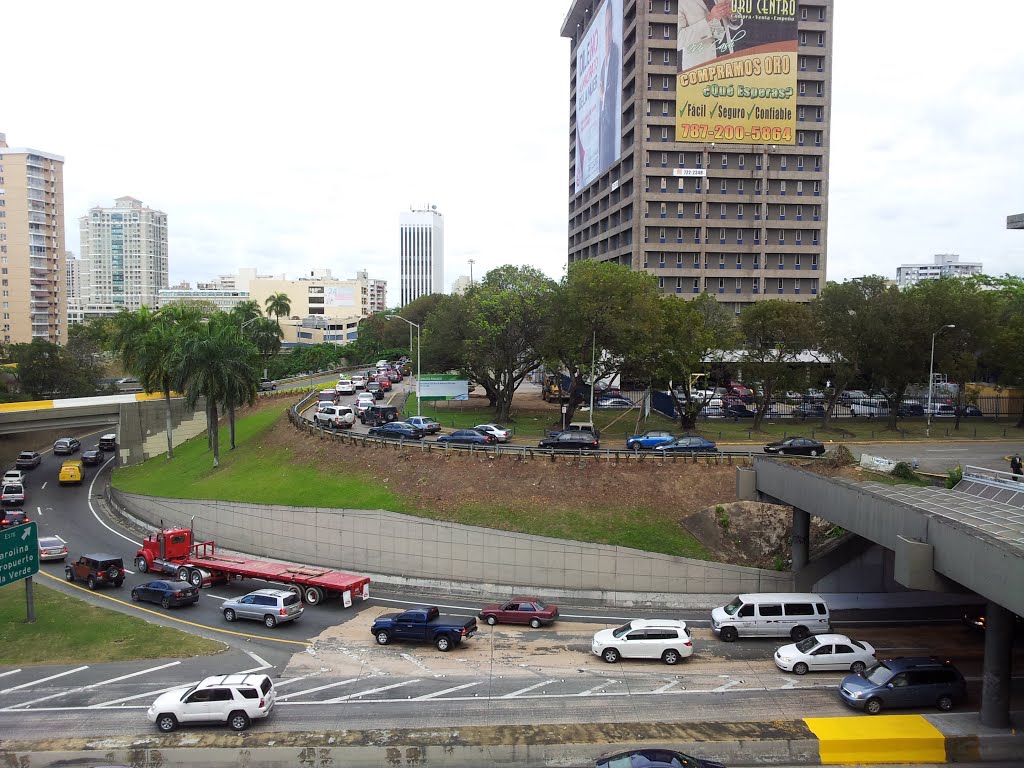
pixel 124 256
pixel 699 143
pixel 73 278
pixel 422 253
pixel 32 245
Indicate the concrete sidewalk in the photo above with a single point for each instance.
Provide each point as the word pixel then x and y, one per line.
pixel 905 739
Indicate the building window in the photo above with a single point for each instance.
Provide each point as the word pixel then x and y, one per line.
pixel 803 13
pixel 661 282
pixel 803 36
pixel 739 186
pixel 724 211
pixel 800 163
pixel 739 210
pixel 725 186
pixel 666 58
pixel 782 161
pixel 820 89
pixel 725 159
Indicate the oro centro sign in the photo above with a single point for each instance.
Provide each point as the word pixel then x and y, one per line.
pixel 19 553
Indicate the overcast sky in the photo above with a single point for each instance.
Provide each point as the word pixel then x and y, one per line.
pixel 290 138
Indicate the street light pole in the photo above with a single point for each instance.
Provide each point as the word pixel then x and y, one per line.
pixel 418 355
pixel 931 377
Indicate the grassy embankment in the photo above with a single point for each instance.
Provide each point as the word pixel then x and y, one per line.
pixel 69 630
pixel 260 474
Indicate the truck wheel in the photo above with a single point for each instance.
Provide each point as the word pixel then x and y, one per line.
pixel 314 595
pixel 141 565
pixel 183 573
pixel 383 638
pixel 229 615
pixel 270 621
pixel 92 582
pixel 729 634
pixel 69 574
pixel 195 578
pixel 443 643
pixel 295 589
pixel 799 633
pixel 238 721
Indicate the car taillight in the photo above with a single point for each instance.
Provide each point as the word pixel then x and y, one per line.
pixel 463 631
pixel 263 703
pixel 64 550
pixel 283 612
pixel 688 644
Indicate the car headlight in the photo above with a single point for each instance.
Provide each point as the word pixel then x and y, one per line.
pixel 786 659
pixel 856 694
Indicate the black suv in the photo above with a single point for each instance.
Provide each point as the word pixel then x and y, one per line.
pixel 908 681
pixel 377 415
pixel 96 569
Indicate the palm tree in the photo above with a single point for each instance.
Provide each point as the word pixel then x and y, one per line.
pixel 128 339
pixel 266 335
pixel 214 363
pixel 244 311
pixel 278 305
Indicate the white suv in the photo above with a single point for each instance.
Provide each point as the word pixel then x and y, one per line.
pixel 345 387
pixel 335 417
pixel 233 699
pixel 665 639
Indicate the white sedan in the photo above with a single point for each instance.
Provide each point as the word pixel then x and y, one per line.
pixel 363 401
pixel 821 653
pixel 498 432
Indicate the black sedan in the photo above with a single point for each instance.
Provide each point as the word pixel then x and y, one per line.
pixel 13 517
pixel 909 410
pixel 796 446
pixel 65 446
pixel 28 460
pixel 691 444
pixel 467 437
pixel 571 440
pixel 92 456
pixel 166 593
pixel 397 429
pixel 967 412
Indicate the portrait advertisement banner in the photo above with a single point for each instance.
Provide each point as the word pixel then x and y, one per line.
pixel 599 94
pixel 737 79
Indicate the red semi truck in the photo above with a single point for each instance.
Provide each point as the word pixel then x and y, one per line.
pixel 173 551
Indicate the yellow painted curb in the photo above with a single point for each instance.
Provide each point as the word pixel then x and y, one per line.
pixel 879 739
pixel 26 405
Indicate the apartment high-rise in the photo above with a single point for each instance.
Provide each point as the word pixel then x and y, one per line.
pixel 422 253
pixel 32 245
pixel 942 265
pixel 700 143
pixel 124 255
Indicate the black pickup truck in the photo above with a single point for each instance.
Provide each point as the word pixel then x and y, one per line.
pixel 424 625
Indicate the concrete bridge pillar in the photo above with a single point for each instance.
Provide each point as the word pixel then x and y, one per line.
pixel 997 666
pixel 801 538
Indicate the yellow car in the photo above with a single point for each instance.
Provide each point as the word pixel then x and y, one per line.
pixel 71 472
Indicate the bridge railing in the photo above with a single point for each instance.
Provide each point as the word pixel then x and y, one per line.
pixel 997 476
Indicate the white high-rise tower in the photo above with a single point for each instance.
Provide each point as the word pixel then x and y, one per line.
pixel 422 253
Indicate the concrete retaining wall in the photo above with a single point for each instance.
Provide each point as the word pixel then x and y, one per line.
pixel 376 541
pixel 142 428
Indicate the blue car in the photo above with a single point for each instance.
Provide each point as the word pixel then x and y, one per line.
pixel 166 593
pixel 648 439
pixel 692 444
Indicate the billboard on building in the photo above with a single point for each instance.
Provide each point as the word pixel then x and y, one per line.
pixel 335 296
pixel 599 94
pixel 737 71
pixel 443 387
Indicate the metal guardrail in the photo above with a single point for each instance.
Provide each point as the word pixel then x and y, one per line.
pixel 613 455
pixel 991 476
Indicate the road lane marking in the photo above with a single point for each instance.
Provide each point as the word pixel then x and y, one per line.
pixel 528 688
pixel 259 660
pixel 175 619
pixel 290 680
pixel 372 690
pixel 318 688
pixel 442 693
pixel 111 703
pixel 10 672
pixel 93 510
pixel 94 685
pixel 597 688
pixel 39 511
pixel 45 679
pixel 665 688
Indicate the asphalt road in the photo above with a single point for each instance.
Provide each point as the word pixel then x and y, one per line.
pixel 723 681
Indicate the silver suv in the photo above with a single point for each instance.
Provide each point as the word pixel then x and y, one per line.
pixel 335 417
pixel 271 606
pixel 233 699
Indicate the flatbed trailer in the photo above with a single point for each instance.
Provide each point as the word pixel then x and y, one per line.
pixel 173 552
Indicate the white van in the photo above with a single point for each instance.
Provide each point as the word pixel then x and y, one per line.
pixel 870 407
pixel 778 614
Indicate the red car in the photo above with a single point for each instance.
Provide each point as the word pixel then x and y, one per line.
pixel 520 610
pixel 385 382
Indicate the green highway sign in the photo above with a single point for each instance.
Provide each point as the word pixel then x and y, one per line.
pixel 19 553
